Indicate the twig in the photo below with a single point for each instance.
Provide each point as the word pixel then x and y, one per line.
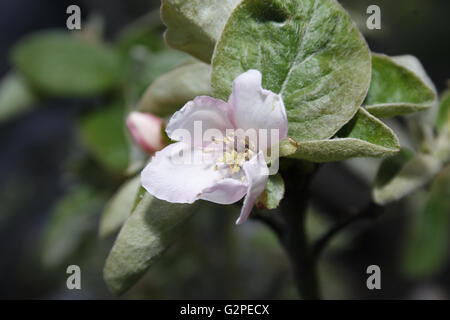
pixel 289 226
pixel 370 212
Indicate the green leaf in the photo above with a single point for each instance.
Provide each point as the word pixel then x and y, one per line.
pixel 16 97
pixel 172 90
pixel 103 133
pixel 287 147
pixel 73 220
pixel 308 51
pixel 151 228
pixel 195 25
pixel 427 241
pixel 59 64
pixel 119 207
pixel 391 166
pixel 363 136
pixel 154 65
pixel 402 175
pixel 143 33
pixel 398 87
pixel 272 194
pixel 444 111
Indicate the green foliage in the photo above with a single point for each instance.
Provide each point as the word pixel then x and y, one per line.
pixel 363 136
pixel 16 97
pixel 103 133
pixel 395 89
pixel 171 91
pixel 151 228
pixel 443 118
pixel 287 147
pixel 427 243
pixel 402 175
pixel 119 207
pixel 308 51
pixel 141 33
pixel 194 26
pixel 59 64
pixel 73 220
pixel 272 194
pixel 147 66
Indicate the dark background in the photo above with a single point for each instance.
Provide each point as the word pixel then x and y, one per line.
pixel 34 147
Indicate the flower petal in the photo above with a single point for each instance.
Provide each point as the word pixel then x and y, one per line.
pixel 145 129
pixel 256 173
pixel 226 191
pixel 211 113
pixel 256 108
pixel 178 179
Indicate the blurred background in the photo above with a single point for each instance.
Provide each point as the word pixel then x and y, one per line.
pixel 57 171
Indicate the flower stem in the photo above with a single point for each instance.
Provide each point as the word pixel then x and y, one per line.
pixel 289 226
pixel 294 238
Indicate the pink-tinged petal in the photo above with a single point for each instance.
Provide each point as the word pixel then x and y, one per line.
pixel 226 191
pixel 256 173
pixel 210 113
pixel 146 130
pixel 178 179
pixel 256 108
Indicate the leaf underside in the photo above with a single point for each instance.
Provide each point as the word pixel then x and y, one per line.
pixel 194 26
pixel 363 136
pixel 149 231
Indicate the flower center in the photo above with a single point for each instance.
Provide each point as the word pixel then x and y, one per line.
pixel 236 153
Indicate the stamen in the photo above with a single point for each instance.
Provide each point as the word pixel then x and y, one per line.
pixel 215 140
pixel 232 158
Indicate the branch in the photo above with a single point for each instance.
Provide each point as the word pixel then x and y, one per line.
pixel 372 211
pixel 294 238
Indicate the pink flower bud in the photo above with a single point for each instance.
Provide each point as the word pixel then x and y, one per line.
pixel 146 130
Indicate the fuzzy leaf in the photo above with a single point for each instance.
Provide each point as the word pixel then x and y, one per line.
pixel 103 133
pixel 195 25
pixel 402 175
pixel 444 111
pixel 427 245
pixel 171 91
pixel 308 51
pixel 363 136
pixel 287 147
pixel 272 194
pixel 399 86
pixel 119 207
pixel 151 228
pixel 60 64
pixel 16 97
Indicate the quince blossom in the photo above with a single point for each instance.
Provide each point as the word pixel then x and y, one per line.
pixel 228 162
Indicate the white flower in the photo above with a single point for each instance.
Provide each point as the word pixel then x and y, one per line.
pixel 146 130
pixel 231 167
